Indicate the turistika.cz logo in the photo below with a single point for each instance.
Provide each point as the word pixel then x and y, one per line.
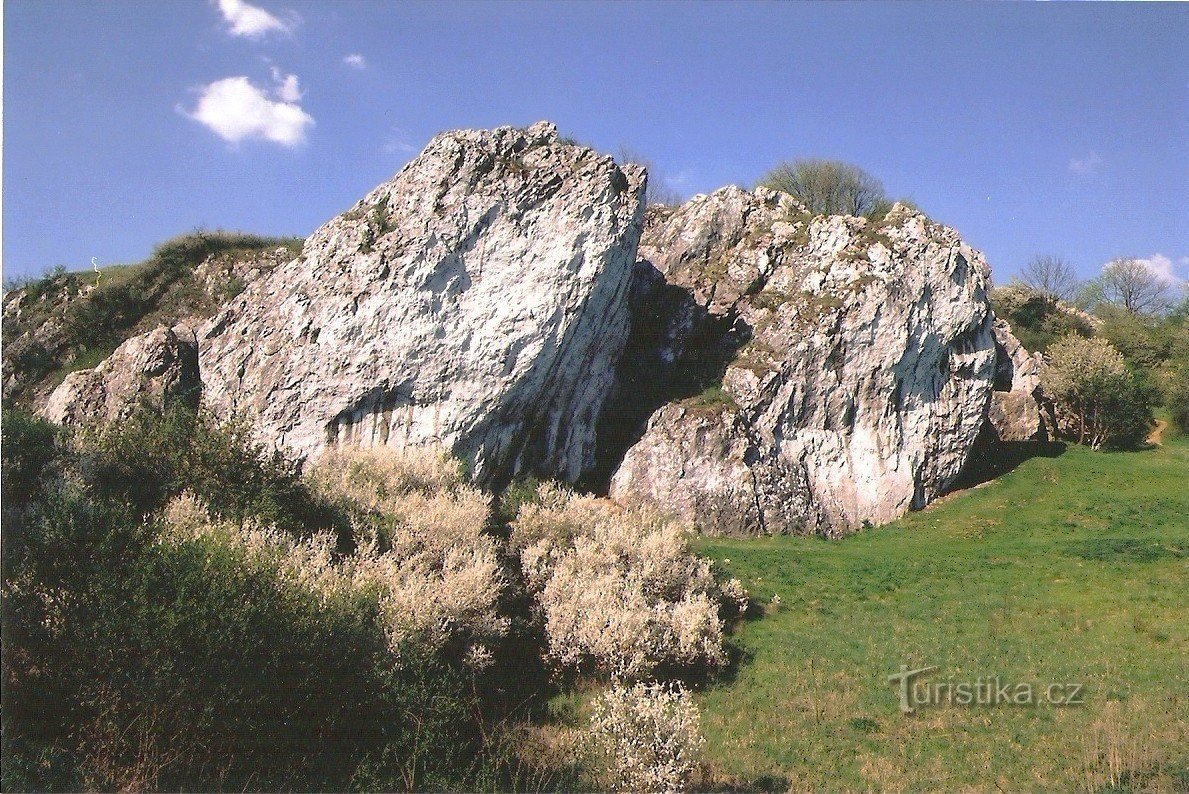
pixel 982 691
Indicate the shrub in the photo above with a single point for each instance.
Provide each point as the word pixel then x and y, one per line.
pixel 187 650
pixel 423 545
pixel 648 736
pixel 152 458
pixel 617 589
pixel 1099 400
pixel 1038 320
pixel 1177 400
pixel 30 449
pixel 829 187
pixel 1144 341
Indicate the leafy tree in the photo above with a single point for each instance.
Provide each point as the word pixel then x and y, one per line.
pixel 1144 341
pixel 829 187
pixel 1051 276
pixel 1099 399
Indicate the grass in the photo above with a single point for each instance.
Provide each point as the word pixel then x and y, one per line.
pixel 88 322
pixel 1068 569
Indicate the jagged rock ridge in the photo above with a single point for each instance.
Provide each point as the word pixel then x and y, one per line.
pixel 477 301
pixel 784 372
pixel 857 363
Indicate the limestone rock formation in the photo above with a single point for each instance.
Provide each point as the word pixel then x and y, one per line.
pixel 153 369
pixel 1015 410
pixel 478 300
pixel 827 371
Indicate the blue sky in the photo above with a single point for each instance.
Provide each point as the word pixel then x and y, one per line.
pixel 1031 128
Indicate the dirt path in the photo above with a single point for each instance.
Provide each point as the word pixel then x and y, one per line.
pixel 1154 437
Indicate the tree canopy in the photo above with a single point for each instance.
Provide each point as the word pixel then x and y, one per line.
pixel 828 187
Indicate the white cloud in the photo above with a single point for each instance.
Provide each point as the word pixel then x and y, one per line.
pixel 248 20
pixel 1085 165
pixel 287 87
pixel 1162 266
pixel 399 141
pixel 355 61
pixel 236 110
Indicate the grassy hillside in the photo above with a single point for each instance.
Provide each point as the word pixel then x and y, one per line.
pixel 1073 568
pixel 64 321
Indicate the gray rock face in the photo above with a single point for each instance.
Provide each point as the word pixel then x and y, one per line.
pixel 856 363
pixel 478 300
pixel 1015 412
pixel 154 369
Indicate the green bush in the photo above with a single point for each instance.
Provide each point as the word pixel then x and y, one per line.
pixel 1037 320
pixel 30 446
pixel 151 458
pixel 137 659
pixel 155 665
pixel 1100 400
pixel 829 187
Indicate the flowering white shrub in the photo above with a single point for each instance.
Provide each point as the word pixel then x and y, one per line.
pixel 735 598
pixel 373 476
pixel 617 589
pixel 648 737
pixel 423 555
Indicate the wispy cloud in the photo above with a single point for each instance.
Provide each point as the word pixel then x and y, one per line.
pixel 236 110
pixel 355 60
pixel 1085 165
pixel 398 141
pixel 682 179
pixel 244 19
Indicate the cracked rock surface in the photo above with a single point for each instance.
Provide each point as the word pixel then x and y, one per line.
pixel 476 301
pixel 153 369
pixel 845 365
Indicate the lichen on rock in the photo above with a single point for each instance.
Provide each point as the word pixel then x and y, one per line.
pixel 862 370
pixel 477 302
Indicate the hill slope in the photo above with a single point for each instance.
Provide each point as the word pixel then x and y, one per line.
pixel 64 321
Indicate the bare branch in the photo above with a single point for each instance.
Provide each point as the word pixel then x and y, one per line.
pixel 828 187
pixel 1051 276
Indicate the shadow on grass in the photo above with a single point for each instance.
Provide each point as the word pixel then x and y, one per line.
pixel 992 458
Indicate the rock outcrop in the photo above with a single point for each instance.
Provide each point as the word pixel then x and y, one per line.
pixel 154 369
pixel 846 365
pixel 784 372
pixel 1015 410
pixel 478 300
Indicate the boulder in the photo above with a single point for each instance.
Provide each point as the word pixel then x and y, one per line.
pixel 477 302
pixel 838 374
pixel 154 370
pixel 1015 410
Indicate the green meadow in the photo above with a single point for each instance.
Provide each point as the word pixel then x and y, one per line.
pixel 1073 569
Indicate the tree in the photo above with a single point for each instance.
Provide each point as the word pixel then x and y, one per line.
pixel 659 190
pixel 1051 276
pixel 1098 399
pixel 1132 284
pixel 829 187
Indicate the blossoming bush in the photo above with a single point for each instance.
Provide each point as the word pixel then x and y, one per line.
pixel 648 737
pixel 617 589
pixel 422 553
pixel 423 543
